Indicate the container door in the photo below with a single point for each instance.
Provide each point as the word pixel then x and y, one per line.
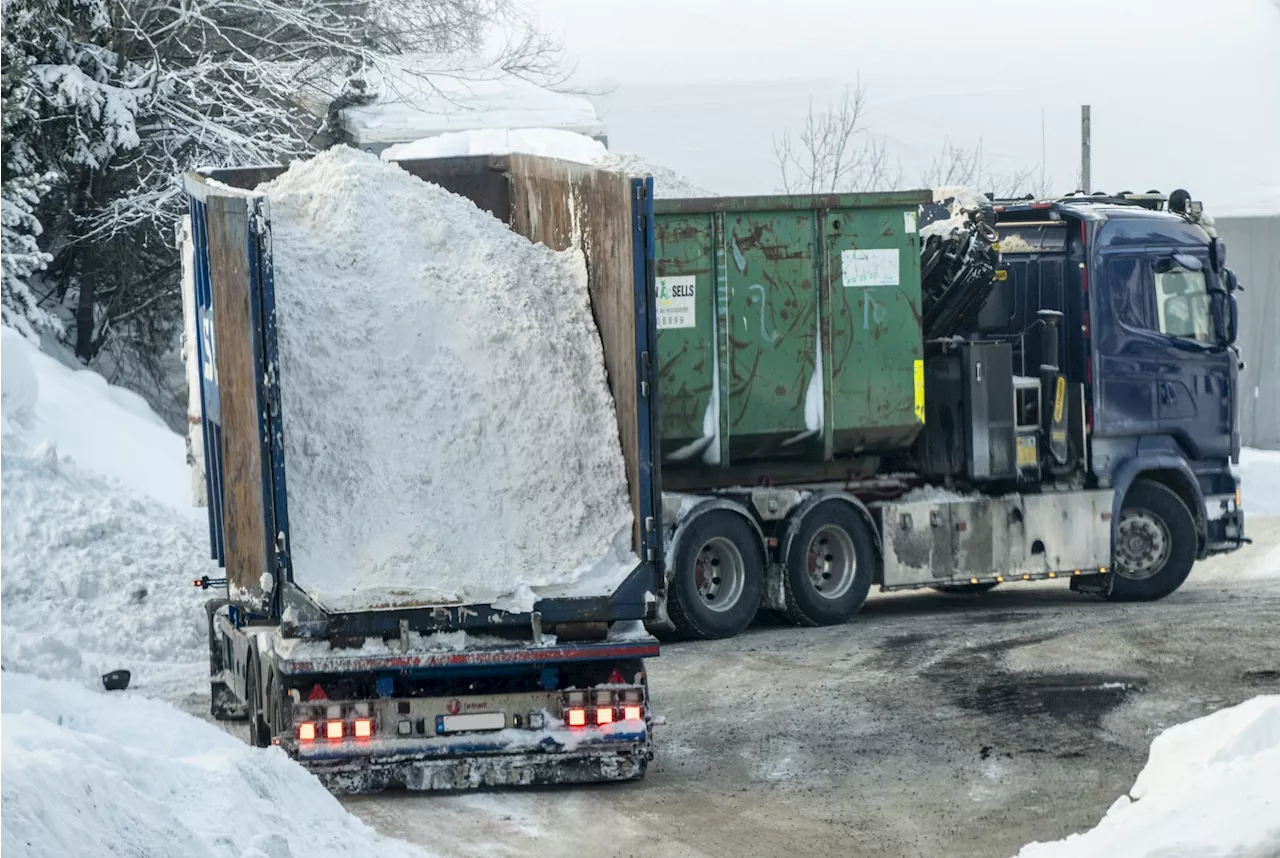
pixel 688 357
pixel 872 261
pixel 775 397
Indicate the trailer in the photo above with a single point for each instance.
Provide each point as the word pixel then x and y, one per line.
pixel 422 695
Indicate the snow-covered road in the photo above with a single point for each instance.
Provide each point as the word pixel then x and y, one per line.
pixel 931 725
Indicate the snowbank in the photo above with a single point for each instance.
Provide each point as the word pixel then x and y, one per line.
pixel 105 428
pixel 97 573
pixel 88 774
pixel 1211 787
pixel 548 142
pixel 449 433
pixel 1259 472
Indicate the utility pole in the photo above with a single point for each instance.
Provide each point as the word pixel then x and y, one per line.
pixel 1085 179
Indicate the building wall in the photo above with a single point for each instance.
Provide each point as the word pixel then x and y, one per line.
pixel 1253 252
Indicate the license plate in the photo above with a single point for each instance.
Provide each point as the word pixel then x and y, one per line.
pixel 471 723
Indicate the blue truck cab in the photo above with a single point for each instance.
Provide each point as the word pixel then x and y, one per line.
pixel 1148 323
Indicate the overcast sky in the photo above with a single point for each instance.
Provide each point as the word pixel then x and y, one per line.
pixel 1184 92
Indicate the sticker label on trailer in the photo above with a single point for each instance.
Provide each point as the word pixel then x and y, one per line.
pixel 909 222
pixel 861 268
pixel 677 302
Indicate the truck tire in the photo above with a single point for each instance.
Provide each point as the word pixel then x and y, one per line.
pixel 259 731
pixel 718 577
pixel 1155 544
pixel 829 566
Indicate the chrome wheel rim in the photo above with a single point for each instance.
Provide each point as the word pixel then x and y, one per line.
pixel 719 574
pixel 1143 544
pixel 831 562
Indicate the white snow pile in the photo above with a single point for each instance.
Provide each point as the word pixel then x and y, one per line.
pixel 549 143
pixel 1259 472
pixel 449 433
pixel 1211 788
pixel 97 574
pixel 90 774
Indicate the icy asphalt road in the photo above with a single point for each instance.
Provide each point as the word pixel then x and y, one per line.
pixel 929 726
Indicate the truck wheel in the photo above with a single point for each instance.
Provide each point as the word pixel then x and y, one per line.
pixel 1155 544
pixel 719 577
pixel 829 566
pixel 259 732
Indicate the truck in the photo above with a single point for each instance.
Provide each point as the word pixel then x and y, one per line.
pixel 917 390
pixel 420 695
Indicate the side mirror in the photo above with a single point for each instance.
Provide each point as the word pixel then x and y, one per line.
pixel 1217 253
pixel 1231 280
pixel 1226 317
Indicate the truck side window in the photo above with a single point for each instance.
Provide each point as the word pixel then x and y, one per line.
pixel 1130 290
pixel 1182 304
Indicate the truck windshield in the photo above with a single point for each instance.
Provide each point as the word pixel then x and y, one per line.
pixel 1182 304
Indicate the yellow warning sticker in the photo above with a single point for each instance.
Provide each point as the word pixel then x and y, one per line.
pixel 919 371
pixel 1059 399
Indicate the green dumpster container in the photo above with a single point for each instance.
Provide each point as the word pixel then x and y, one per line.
pixel 788 329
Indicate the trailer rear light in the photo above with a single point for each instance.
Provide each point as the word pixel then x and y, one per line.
pixel 333 711
pixel 362 728
pixel 307 731
pixel 604 698
pixel 632 713
pixel 536 721
pixel 604 716
pixel 631 695
pixel 576 698
pixel 576 717
pixel 404 728
pixel 334 730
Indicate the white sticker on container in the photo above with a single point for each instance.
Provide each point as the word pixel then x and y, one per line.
pixel 869 268
pixel 677 302
pixel 909 222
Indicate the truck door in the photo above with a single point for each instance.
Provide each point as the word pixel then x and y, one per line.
pixel 1129 349
pixel 1194 382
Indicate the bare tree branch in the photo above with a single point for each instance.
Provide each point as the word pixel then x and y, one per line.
pixel 834 152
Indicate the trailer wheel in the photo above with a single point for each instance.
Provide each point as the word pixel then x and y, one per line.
pixel 1155 544
pixel 829 566
pixel 719 577
pixel 259 731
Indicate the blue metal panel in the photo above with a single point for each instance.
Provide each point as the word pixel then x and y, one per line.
pixel 206 354
pixel 646 363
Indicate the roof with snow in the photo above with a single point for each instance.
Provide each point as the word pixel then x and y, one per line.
pixel 412 105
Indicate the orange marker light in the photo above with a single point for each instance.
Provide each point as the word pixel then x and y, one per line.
pixel 333 729
pixel 576 717
pixel 363 728
pixel 631 713
pixel 604 716
pixel 307 731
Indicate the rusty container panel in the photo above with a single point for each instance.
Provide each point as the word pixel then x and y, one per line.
pixel 876 383
pixel 800 342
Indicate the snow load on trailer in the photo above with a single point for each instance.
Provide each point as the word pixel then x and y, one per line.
pixel 449 433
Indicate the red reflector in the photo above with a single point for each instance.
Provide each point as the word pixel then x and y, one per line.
pixel 317 693
pixel 333 729
pixel 307 731
pixel 631 713
pixel 604 716
pixel 363 728
pixel 576 717
pixel 615 678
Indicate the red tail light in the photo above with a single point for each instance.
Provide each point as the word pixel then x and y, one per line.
pixel 604 716
pixel 307 731
pixel 632 713
pixel 334 729
pixel 362 728
pixel 576 717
